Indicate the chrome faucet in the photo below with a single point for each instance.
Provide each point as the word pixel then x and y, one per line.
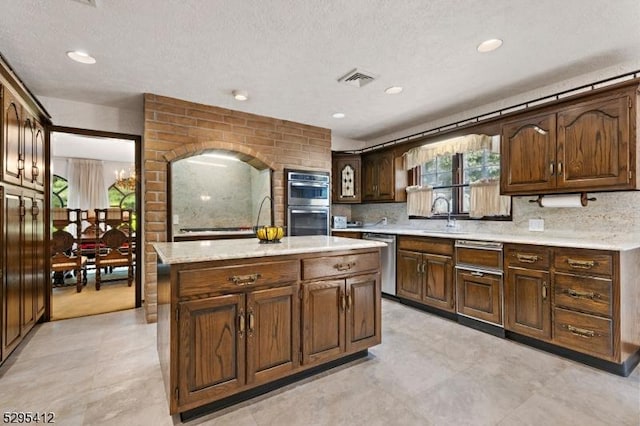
pixel 451 223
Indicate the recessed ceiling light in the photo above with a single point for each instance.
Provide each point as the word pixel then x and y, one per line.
pixel 240 95
pixel 82 57
pixel 489 45
pixel 338 115
pixel 393 90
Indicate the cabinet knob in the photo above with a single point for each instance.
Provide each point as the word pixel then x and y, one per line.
pixel 551 168
pixel 544 290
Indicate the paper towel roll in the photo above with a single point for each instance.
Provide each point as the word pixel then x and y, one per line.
pixel 569 200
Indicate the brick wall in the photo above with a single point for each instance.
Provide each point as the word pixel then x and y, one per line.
pixel 174 129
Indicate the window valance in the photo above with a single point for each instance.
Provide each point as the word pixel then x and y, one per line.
pixel 425 153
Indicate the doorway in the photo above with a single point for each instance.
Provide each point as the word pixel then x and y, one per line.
pixel 92 170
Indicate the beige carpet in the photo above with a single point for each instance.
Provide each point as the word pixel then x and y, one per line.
pixel 113 296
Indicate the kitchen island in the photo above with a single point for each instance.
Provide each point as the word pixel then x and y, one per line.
pixel 237 318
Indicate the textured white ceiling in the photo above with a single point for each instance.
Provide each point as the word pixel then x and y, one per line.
pixel 288 54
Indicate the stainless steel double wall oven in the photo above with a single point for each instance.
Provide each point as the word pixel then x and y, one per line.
pixel 308 202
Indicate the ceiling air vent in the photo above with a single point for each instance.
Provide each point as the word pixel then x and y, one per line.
pixel 357 77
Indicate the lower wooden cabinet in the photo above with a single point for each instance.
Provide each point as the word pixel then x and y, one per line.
pixel 528 290
pixel 423 276
pixel 340 316
pixel 226 327
pixel 479 295
pixel 528 302
pixel 232 340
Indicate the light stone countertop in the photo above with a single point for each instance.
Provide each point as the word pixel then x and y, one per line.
pixel 618 241
pixel 245 248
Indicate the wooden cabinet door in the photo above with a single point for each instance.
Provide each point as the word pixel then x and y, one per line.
pixel 211 349
pixel 439 288
pixel 28 267
pixel 479 295
pixel 386 173
pixel 39 273
pixel 12 140
pixel 28 144
pixel 528 155
pixel 346 179
pixel 528 302
pixel 409 280
pixel 273 333
pixel 369 178
pixel 593 145
pixel 12 281
pixel 363 312
pixel 323 319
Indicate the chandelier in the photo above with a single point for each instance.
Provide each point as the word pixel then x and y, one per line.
pixel 126 183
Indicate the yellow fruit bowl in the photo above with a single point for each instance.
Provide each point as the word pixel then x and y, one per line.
pixel 269 234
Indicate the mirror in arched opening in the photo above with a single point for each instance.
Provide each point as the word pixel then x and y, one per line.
pixel 218 191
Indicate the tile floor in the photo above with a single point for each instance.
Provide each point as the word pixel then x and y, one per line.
pixel 428 371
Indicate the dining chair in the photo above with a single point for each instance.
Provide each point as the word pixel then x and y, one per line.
pixel 65 242
pixel 114 247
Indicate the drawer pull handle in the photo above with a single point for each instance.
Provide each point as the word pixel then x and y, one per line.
pixel 349 301
pixel 581 264
pixel 551 167
pixel 582 332
pixel 343 301
pixel 241 324
pixel 251 322
pixel 244 279
pixel 477 274
pixel 527 258
pixel 544 290
pixel 581 294
pixel 344 266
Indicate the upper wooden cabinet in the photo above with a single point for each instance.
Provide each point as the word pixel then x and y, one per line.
pixel 23 143
pixel 383 177
pixel 12 139
pixel 346 171
pixel 584 146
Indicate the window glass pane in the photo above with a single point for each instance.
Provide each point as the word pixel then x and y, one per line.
pixel 480 165
pixel 59 189
pixel 466 199
pixel 438 172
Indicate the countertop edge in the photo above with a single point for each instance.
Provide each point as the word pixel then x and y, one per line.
pixel 203 251
pixel 532 238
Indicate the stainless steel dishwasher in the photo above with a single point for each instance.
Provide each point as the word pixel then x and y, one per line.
pixel 388 275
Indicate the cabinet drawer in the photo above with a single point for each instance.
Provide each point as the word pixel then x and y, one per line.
pixel 583 332
pixel 530 257
pixel 583 293
pixel 228 278
pixel 328 266
pixel 430 245
pixel 491 259
pixel 584 262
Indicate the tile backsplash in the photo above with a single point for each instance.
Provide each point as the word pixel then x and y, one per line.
pixel 612 212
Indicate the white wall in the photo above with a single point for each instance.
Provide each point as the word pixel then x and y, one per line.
pixel 94 117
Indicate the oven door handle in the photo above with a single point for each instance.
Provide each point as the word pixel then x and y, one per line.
pixel 316 185
pixel 309 211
